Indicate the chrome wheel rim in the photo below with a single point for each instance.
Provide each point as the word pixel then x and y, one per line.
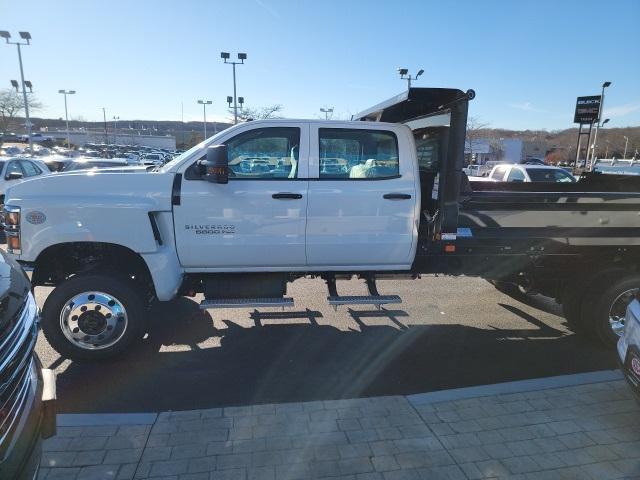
pixel 618 310
pixel 93 320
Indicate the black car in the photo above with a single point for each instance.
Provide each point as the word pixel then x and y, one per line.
pixel 27 391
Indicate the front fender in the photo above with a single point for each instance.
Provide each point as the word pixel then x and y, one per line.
pixel 128 226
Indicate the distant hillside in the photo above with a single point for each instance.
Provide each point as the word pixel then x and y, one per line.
pixel 561 144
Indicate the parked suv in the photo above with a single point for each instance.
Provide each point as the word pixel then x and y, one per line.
pixel 27 392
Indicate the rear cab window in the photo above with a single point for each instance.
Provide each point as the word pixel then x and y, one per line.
pixel 499 173
pixel 357 154
pixel 516 175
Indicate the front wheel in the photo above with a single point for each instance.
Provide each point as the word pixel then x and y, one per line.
pixel 93 317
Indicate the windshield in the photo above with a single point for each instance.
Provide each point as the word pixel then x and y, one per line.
pixel 177 160
pixel 550 175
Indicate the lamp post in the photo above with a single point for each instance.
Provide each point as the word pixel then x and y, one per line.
pixel 242 57
pixel 26 36
pixel 326 112
pixel 240 101
pixel 66 112
pixel 594 157
pixel 204 104
pixel 626 143
pixel 405 75
pixel 595 135
pixel 115 129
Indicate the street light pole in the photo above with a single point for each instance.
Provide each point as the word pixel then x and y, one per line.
pixel 204 104
pixel 242 57
pixel 115 129
pixel 66 112
pixel 595 135
pixel 27 37
pixel 326 112
pixel 626 143
pixel 405 75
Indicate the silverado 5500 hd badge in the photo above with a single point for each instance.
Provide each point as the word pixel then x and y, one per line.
pixel 211 229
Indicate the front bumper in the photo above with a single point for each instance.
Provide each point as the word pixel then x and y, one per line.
pixel 27 397
pixel 37 421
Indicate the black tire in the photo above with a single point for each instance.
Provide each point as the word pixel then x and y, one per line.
pixel 121 288
pixel 597 305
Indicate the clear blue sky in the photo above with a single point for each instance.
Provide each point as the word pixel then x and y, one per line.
pixel 527 61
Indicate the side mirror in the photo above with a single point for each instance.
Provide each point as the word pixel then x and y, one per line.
pixel 215 168
pixel 13 176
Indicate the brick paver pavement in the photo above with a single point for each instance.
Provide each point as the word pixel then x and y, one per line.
pixel 589 431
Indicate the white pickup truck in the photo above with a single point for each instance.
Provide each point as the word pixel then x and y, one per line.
pixel 265 202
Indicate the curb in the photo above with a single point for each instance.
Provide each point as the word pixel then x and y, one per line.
pixel 546 383
pixel 519 386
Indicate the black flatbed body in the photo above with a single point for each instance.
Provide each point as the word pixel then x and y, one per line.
pixel 499 229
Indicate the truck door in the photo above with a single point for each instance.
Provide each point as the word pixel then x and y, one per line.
pixel 363 202
pixel 256 220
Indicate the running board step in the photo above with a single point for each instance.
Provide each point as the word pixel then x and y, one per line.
pixel 364 300
pixel 245 302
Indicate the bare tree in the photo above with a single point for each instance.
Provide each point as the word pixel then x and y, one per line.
pixel 11 104
pixel 497 148
pixel 475 132
pixel 258 113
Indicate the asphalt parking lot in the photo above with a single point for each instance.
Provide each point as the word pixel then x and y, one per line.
pixel 447 333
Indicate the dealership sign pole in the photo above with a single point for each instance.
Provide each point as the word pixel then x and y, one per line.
pixel 587 112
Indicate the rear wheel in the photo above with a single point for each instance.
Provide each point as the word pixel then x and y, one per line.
pixel 92 317
pixel 604 310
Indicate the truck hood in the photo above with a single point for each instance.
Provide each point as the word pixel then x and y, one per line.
pixel 117 187
pixel 123 169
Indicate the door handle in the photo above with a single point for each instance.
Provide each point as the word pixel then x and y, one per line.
pixel 286 196
pixel 396 196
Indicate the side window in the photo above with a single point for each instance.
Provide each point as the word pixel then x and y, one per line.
pixel 271 152
pixel 499 173
pixel 30 170
pixel 516 175
pixel 355 153
pixel 13 166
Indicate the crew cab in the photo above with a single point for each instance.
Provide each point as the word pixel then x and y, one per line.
pixel 383 194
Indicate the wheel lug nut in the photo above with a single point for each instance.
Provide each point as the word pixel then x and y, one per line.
pixel 108 315
pixel 83 308
pixel 97 307
pixel 74 318
pixel 75 330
